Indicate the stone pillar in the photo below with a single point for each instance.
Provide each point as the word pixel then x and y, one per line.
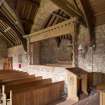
pixel 75 42
pixel 31 53
pixel 28 49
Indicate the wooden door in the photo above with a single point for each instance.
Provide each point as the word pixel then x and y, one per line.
pixel 8 63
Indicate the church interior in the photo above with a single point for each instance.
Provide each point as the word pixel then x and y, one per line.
pixel 52 52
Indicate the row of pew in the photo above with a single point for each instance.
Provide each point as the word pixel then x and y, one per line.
pixel 20 88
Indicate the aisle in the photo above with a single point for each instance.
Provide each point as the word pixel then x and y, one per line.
pixel 67 102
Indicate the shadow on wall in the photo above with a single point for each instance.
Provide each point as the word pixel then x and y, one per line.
pixel 52 54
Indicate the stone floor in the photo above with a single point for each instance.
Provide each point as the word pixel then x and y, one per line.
pixel 67 102
pixel 91 100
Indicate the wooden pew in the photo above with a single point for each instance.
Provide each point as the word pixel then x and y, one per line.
pixel 28 84
pixel 10 80
pixel 7 73
pixel 25 89
pixel 13 71
pixel 13 76
pixel 38 95
pixel 23 80
pixel 6 89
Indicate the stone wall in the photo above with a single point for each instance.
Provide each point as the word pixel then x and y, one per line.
pixel 94 60
pixel 50 53
pixel 44 11
pixel 19 57
pixel 55 73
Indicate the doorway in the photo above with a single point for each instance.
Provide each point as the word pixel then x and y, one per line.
pixel 8 63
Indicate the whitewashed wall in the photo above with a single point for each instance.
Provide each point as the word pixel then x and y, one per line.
pixel 98 62
pixel 56 73
pixel 15 52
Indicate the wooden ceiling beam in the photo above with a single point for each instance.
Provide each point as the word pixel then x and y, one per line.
pixel 14 37
pixel 72 10
pixel 26 11
pixel 67 7
pixel 50 23
pixel 10 14
pixel 58 15
pixel 7 39
pixel 13 26
pixel 15 23
pixel 89 18
pixel 3 27
pixel 8 32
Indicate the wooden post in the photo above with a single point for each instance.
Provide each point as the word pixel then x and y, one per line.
pixel 75 43
pixel 102 98
pixel 10 97
pixel 72 79
pixel 3 95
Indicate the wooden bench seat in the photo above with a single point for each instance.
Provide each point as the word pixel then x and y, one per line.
pixel 14 77
pixel 27 84
pixel 30 78
pixel 39 95
pixel 12 74
pixel 28 89
pixel 12 71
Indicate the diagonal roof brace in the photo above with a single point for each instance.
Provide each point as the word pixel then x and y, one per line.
pixel 6 30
